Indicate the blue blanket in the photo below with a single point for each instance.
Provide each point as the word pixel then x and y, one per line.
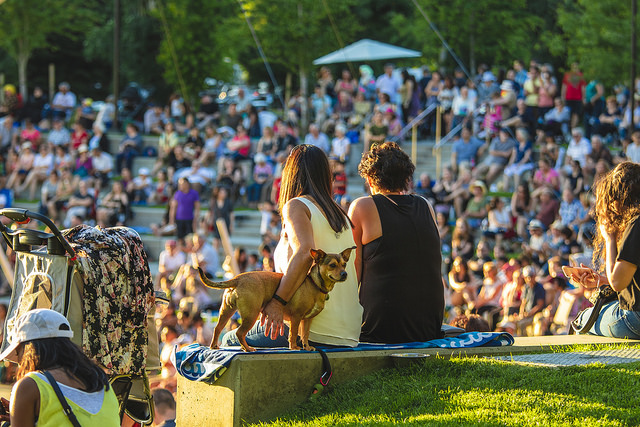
pixel 198 363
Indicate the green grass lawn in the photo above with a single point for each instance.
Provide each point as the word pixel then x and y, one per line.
pixel 476 391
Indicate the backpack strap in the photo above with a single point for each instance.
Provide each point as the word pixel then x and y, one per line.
pixel 65 405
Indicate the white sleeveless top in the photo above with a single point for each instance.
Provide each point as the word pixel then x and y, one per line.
pixel 339 323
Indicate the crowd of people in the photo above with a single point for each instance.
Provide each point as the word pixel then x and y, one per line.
pixel 510 209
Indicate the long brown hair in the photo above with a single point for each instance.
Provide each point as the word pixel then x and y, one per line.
pixel 617 205
pixel 51 353
pixel 307 173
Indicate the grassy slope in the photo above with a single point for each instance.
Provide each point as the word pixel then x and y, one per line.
pixel 469 391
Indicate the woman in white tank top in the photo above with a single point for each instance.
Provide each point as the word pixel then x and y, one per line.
pixel 310 220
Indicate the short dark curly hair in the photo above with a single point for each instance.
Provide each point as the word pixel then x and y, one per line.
pixel 388 167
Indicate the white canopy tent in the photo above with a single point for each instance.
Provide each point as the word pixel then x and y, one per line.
pixel 366 50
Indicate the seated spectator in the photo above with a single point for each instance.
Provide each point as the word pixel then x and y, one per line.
pixel 460 191
pixel 22 167
pixel 476 210
pixel 609 119
pixel 512 291
pixel 199 177
pixel 575 180
pixel 632 151
pixel 545 178
pixel 240 145
pixel 79 136
pixel 533 297
pixel 488 299
pixel 598 151
pixel 462 242
pixel 521 160
pixel 129 148
pixel 339 182
pixel 547 208
pixel 444 230
pixel 462 107
pixel 29 133
pixel 34 106
pixel 375 132
pixel 99 138
pixel 424 188
pixel 462 285
pixel 113 209
pixel 63 102
pixel 500 151
pixel 59 135
pixel 570 209
pixel 443 188
pixel 231 176
pixel 393 123
pixel 578 149
pixel 556 120
pixel 42 167
pixel 162 189
pixel 233 118
pixel 262 174
pixel 64 191
pixel 208 113
pixel 48 191
pixel 102 168
pixel 141 188
pixel 538 245
pixel 522 209
pixel 466 150
pixel 206 255
pixel 194 143
pixel 85 113
pixel 268 144
pixel 482 256
pixel 213 146
pixel 499 219
pixel 220 207
pixel 107 114
pixel 84 165
pixel 317 138
pixel 340 145
pixel 80 205
pixel 169 262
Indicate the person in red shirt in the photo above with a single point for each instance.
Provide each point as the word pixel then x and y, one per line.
pixel 573 88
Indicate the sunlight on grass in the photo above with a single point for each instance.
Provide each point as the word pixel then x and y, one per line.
pixel 476 391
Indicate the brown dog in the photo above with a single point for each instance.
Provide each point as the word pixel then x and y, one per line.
pixel 249 292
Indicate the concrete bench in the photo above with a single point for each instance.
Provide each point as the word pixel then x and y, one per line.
pixel 257 387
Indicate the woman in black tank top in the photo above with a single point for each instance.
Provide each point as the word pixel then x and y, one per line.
pixel 398 253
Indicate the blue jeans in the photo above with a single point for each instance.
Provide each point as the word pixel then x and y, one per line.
pixel 613 322
pixel 256 338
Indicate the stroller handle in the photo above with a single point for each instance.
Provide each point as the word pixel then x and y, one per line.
pixel 22 216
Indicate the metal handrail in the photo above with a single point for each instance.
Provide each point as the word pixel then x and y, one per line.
pixel 430 109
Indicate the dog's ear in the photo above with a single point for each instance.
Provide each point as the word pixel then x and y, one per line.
pixel 347 253
pixel 317 254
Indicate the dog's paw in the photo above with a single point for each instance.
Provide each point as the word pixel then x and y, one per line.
pixel 248 349
pixel 214 346
pixel 294 347
pixel 309 348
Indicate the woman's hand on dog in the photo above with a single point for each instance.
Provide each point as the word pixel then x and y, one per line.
pixel 272 318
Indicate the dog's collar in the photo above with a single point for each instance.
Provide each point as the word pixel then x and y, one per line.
pixel 311 276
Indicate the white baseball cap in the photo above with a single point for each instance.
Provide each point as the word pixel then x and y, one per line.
pixel 34 325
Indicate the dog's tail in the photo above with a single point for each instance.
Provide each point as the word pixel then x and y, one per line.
pixel 211 284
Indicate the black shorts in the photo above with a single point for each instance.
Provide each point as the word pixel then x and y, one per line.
pixel 574 106
pixel 184 227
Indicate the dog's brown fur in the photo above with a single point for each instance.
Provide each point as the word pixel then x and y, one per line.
pixel 249 292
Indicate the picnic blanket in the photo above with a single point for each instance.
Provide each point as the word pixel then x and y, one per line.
pixel 198 363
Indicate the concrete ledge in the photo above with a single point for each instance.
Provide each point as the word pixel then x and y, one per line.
pixel 258 387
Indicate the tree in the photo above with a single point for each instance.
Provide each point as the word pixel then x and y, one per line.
pixel 597 35
pixel 201 39
pixel 26 24
pixel 293 34
pixel 494 32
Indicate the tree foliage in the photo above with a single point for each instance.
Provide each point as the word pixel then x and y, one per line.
pixel 201 39
pixel 597 34
pixel 25 26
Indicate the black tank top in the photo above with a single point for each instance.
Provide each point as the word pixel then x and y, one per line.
pixel 401 288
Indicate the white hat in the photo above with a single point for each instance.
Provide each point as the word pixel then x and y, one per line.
pixel 34 325
pixel 143 171
pixel 488 76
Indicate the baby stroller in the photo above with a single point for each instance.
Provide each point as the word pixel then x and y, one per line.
pixel 100 280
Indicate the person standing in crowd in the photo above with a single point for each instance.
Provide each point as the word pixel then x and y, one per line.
pixel 49 362
pixel 403 300
pixel 185 209
pixel 310 220
pixel 617 241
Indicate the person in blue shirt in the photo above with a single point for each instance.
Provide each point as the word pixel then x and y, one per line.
pixel 466 150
